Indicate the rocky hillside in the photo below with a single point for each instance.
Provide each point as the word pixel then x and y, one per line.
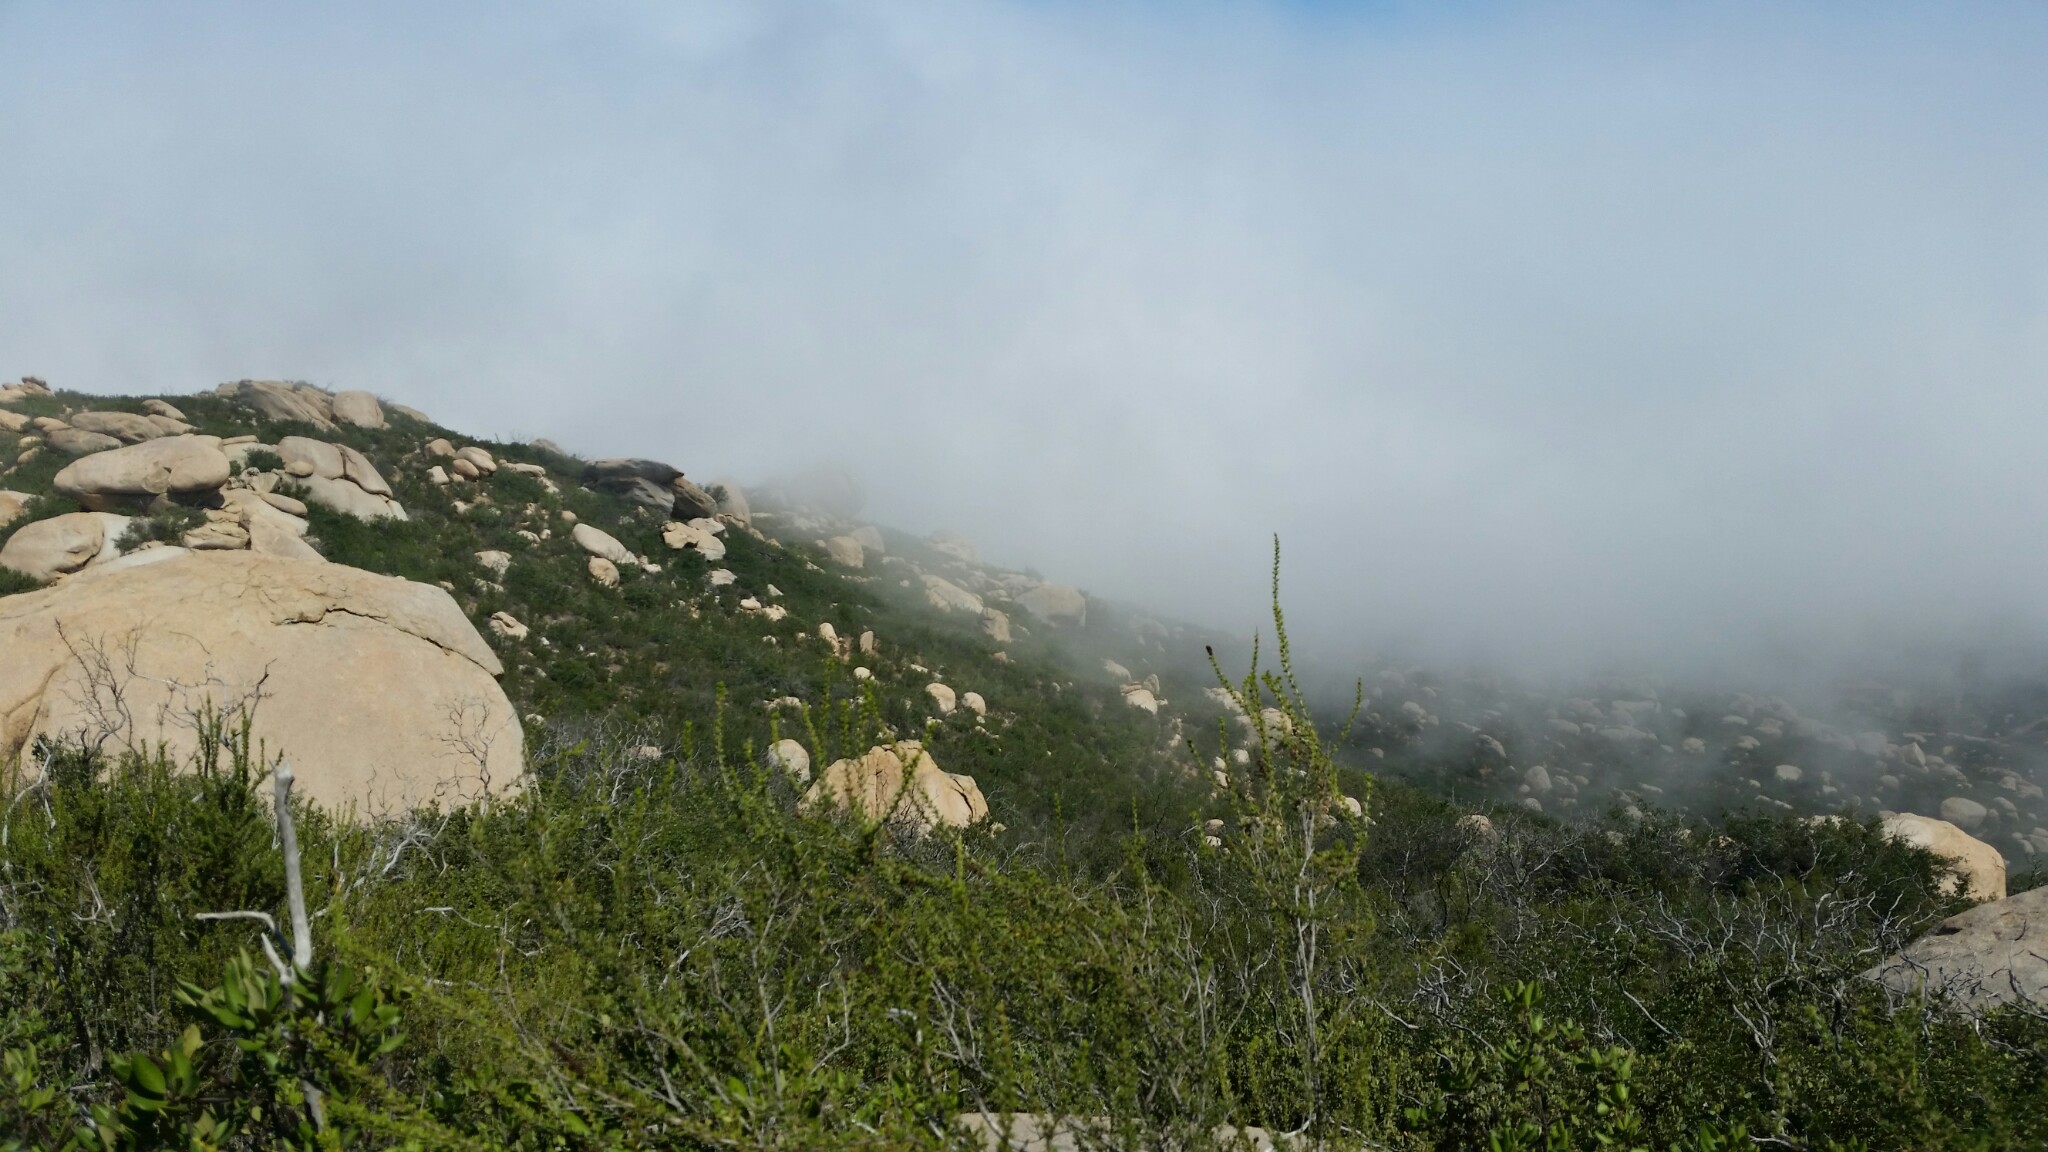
pixel 639 811
pixel 613 592
pixel 625 592
pixel 624 589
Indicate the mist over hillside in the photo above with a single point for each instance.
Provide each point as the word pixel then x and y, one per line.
pixel 1548 337
pixel 1023 575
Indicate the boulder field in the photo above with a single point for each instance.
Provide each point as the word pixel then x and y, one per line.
pixel 379 690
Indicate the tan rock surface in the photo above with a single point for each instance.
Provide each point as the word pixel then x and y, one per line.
pixel 694 534
pixel 318 456
pixel 63 544
pixel 947 596
pixel 846 552
pixel 358 408
pixel 13 505
pixel 357 469
pixel 78 441
pixel 1056 604
pixel 787 755
pixel 1981 867
pixel 126 427
pixel 278 400
pixel 601 543
pixel 379 690
pixel 691 501
pixel 1994 954
pixel 902 784
pixel 187 469
pixel 347 498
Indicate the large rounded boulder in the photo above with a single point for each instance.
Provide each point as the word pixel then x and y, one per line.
pixel 61 545
pixel 1056 604
pixel 1979 868
pixel 644 482
pixel 281 400
pixel 174 469
pixel 126 427
pixel 900 784
pixel 378 690
pixel 1991 955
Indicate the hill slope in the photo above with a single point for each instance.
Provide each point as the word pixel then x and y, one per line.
pixel 656 945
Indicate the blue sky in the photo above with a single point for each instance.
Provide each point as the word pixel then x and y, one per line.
pixel 1563 332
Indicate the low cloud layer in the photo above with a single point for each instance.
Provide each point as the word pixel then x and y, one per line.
pixel 1559 334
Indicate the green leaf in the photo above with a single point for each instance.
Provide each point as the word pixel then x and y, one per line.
pixel 145 1077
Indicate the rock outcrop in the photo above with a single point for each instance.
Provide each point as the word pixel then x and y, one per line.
pixel 651 484
pixel 602 544
pixel 1963 812
pixel 126 427
pixel 278 400
pixel 699 534
pixel 274 524
pixel 1055 604
pixel 338 478
pixel 1980 867
pixel 13 506
pixel 63 544
pixel 358 408
pixel 379 690
pixel 79 442
pixel 692 502
pixel 947 596
pixel 140 477
pixel 786 755
pixel 644 482
pixel 901 784
pixel 846 552
pixel 1993 954
pixel 29 386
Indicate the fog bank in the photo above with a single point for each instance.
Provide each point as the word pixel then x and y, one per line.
pixel 1559 335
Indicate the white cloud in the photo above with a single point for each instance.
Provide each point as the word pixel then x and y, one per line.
pixel 1566 329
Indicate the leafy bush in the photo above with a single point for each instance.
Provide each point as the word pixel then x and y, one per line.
pixel 166 525
pixel 262 460
pixel 668 953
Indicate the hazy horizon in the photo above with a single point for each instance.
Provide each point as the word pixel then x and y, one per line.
pixel 1553 335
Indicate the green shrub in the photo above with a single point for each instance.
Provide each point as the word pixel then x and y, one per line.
pixel 262 460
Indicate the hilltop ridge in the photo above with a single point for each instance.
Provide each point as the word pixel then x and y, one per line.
pixel 675 815
pixel 723 586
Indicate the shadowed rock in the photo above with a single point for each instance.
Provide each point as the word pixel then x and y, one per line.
pixel 1994 954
